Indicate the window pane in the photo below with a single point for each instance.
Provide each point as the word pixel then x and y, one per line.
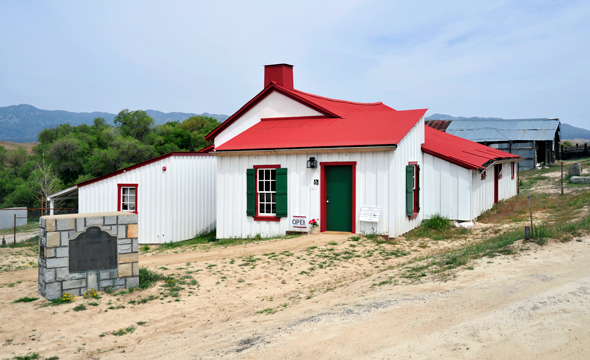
pixel 274 209
pixel 124 207
pixel 260 197
pixel 124 191
pixel 132 207
pixel 261 186
pixel 267 174
pixel 274 198
pixel 273 174
pixel 273 186
pixel 132 191
pixel 268 208
pixel 261 209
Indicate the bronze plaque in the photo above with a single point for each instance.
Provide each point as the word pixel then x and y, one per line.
pixel 93 250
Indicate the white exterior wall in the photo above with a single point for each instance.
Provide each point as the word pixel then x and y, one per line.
pixel 483 190
pixel 380 181
pixel 172 205
pixel 447 189
pixel 507 187
pixel 273 105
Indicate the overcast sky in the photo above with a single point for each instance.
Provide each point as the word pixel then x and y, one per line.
pixel 510 59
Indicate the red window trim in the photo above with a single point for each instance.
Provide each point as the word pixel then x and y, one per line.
pixel 415 195
pixel 512 170
pixel 119 186
pixel 324 192
pixel 258 217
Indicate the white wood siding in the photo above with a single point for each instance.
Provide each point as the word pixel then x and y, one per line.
pixel 483 190
pixel 380 181
pixel 172 205
pixel 273 105
pixel 447 189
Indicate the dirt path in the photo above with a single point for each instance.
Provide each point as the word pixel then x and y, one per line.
pixel 532 305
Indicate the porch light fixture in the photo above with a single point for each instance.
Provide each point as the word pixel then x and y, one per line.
pixel 312 163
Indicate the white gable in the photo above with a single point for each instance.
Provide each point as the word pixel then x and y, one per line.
pixel 274 105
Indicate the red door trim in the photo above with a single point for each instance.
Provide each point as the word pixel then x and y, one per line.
pixel 324 192
pixel 496 179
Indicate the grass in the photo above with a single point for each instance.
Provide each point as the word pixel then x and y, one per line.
pixel 30 226
pixel 80 307
pixel 124 331
pixel 148 278
pixel 32 243
pixel 25 299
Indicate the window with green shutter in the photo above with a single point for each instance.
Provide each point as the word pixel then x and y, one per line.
pixel 412 190
pixel 266 192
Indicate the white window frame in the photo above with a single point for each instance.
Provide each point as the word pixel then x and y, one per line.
pixel 266 195
pixel 128 200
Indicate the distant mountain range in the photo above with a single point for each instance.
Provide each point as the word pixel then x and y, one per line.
pixel 22 123
pixel 568 132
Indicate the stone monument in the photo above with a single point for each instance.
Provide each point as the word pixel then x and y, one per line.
pixel 79 252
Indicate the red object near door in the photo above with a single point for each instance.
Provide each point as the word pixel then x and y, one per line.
pixel 497 171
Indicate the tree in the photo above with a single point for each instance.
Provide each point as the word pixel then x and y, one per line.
pixel 69 155
pixel 136 124
pixel 45 179
pixel 16 158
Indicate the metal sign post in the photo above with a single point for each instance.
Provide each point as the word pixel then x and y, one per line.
pixel 531 212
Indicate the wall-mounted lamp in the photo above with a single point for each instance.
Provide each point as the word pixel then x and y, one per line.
pixel 163 168
pixel 312 163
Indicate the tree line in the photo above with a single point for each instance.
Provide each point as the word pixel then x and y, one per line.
pixel 67 155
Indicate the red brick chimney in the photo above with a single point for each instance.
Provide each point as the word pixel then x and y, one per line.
pixel 282 74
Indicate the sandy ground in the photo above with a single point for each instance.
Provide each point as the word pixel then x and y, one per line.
pixel 532 305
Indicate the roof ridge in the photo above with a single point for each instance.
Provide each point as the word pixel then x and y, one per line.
pixel 330 99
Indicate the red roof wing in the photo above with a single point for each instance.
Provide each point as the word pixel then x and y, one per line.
pixel 465 153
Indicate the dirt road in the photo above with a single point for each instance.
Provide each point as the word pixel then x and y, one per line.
pixel 530 305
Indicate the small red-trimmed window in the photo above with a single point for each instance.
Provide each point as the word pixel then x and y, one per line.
pixel 484 175
pixel 412 190
pixel 266 192
pixel 513 173
pixel 127 198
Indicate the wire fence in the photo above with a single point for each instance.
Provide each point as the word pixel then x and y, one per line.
pixel 18 224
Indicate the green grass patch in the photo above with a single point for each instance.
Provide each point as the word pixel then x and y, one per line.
pixel 30 243
pixel 148 278
pixel 437 222
pixel 80 307
pixel 25 299
pixel 125 331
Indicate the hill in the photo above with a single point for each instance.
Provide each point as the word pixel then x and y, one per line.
pixel 568 132
pixel 11 146
pixel 22 123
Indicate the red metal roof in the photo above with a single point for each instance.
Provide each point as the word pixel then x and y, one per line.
pixel 344 123
pixel 138 165
pixel 465 153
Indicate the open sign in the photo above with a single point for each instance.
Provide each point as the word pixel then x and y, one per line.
pixel 299 222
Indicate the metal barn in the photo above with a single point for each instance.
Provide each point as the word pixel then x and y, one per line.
pixel 536 140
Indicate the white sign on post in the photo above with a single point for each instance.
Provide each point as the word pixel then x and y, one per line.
pixel 370 213
pixel 299 222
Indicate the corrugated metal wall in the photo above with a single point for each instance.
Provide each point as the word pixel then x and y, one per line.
pixel 447 189
pixel 380 181
pixel 524 149
pixel 173 205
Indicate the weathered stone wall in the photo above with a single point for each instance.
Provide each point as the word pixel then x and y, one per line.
pixel 55 234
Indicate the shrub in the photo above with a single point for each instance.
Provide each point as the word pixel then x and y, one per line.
pixel 437 222
pixel 25 299
pixel 148 277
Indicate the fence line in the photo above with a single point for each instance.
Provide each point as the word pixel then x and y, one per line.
pixel 574 152
pixel 21 223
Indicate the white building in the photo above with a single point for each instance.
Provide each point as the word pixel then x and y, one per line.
pixel 462 178
pixel 173 195
pixel 367 177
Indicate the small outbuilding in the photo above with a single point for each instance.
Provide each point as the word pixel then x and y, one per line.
pixel 173 195
pixel 462 178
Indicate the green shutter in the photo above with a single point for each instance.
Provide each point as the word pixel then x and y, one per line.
pixel 410 190
pixel 281 192
pixel 251 192
pixel 418 188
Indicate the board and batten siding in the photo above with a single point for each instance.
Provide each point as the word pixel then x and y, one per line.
pixel 172 205
pixel 482 198
pixel 447 189
pixel 380 181
pixel 275 105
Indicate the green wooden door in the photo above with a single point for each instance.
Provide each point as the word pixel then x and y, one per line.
pixel 338 198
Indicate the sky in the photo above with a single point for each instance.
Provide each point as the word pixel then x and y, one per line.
pixel 508 59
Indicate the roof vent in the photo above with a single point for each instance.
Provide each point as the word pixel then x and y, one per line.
pixel 282 74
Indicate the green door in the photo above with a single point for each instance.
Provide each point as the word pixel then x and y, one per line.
pixel 338 198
